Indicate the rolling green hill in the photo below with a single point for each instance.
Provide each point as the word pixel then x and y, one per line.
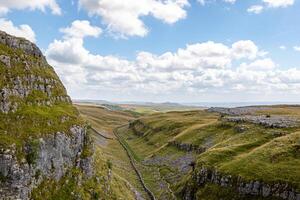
pixel 243 153
pixel 243 156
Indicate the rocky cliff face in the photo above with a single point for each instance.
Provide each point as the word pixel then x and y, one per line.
pixel 41 134
pixel 251 188
pixel 26 73
pixel 187 147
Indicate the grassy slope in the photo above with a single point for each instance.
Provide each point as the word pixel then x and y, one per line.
pixel 277 160
pixel 103 119
pixel 164 127
pixel 287 110
pixel 155 108
pixel 259 153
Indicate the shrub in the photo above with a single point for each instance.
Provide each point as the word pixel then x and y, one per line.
pixel 109 164
pixel 32 152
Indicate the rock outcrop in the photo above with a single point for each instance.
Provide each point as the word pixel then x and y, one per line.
pixel 187 147
pixel 54 140
pixel 55 155
pixel 21 44
pixel 25 74
pixel 138 127
pixel 252 188
pixel 247 114
pixel 267 121
pixel 248 110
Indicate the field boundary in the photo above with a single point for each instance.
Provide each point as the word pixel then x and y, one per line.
pixel 151 195
pixel 108 138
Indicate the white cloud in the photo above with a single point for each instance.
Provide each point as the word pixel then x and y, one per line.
pixel 230 1
pixel 123 18
pixel 195 56
pixel 282 47
pixel 81 29
pixel 69 51
pixel 278 3
pixel 23 30
pixel 70 54
pixel 256 9
pixel 297 48
pixel 203 2
pixel 244 49
pixel 6 6
pixel 257 65
pixel 202 67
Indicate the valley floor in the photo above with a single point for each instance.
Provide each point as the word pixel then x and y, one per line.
pixel 110 150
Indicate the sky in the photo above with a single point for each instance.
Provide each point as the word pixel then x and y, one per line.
pixel 166 50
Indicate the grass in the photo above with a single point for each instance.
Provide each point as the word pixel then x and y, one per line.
pixel 104 119
pixel 112 152
pixel 159 129
pixel 275 161
pixel 156 108
pixel 287 110
pixel 155 131
pixel 32 155
pixel 257 153
pixel 33 122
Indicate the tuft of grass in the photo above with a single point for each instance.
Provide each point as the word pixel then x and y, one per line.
pixel 32 154
pixel 109 164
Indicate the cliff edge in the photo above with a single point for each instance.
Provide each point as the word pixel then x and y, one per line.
pixel 41 133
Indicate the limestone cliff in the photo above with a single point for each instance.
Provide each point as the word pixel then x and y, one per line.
pixel 251 189
pixel 41 134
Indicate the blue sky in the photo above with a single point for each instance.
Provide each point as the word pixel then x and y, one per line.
pixel 268 37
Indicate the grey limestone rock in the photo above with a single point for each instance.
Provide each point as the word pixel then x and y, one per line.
pixel 20 43
pixel 56 154
pixel 5 60
pixel 253 188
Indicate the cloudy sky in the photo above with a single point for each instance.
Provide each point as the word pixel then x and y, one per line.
pixel 166 50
